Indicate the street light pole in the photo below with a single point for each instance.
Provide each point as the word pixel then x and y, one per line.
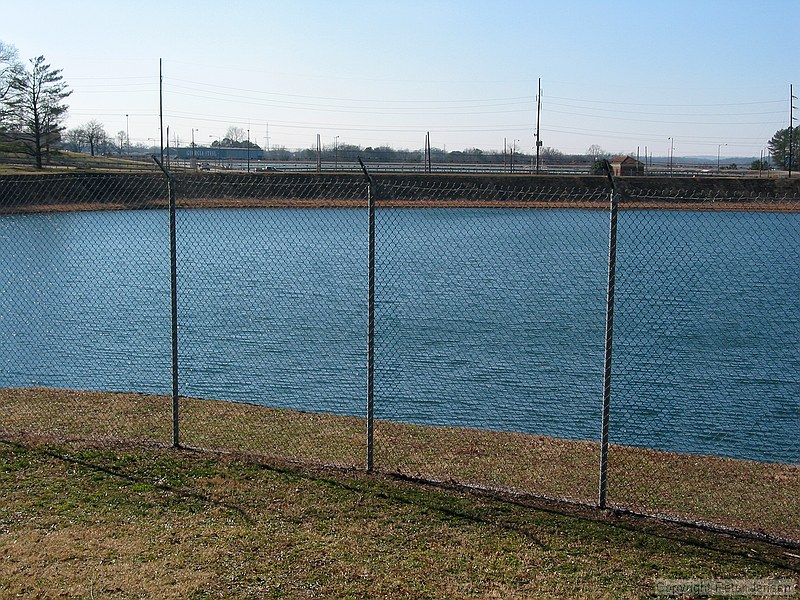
pixel 513 151
pixel 718 149
pixel 219 148
pixel 336 153
pixel 194 160
pixel 128 132
pixel 671 153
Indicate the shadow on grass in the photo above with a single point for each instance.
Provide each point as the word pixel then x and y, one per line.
pixel 530 517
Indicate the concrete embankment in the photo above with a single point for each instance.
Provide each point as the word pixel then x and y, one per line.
pixel 98 191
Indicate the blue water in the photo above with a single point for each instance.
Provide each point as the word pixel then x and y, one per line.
pixel 484 318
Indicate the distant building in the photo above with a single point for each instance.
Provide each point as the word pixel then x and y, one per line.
pixel 626 165
pixel 216 153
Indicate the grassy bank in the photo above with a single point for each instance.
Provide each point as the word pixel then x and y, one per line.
pixel 54 192
pixel 747 495
pixel 132 522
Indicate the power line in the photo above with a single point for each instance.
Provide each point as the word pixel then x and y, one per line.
pixel 664 122
pixel 671 114
pixel 668 104
pixel 518 99
pixel 361 110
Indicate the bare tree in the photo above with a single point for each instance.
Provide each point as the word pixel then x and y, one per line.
pixel 75 139
pixel 596 152
pixel 235 134
pixel 95 134
pixel 120 141
pixel 9 66
pixel 36 107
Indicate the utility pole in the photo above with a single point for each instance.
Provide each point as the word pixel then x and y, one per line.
pixel 319 154
pixel 161 110
pixel 538 115
pixel 671 153
pixel 428 152
pixel 792 98
pixel 430 158
pixel 513 150
pixel 425 154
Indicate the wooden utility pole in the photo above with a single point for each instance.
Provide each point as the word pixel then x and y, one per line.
pixel 428 152
pixel 161 110
pixel 792 98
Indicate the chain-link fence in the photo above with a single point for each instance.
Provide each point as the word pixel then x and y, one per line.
pixel 445 328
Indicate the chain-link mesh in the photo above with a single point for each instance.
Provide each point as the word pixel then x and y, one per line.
pixel 490 301
pixel 85 304
pixel 491 319
pixel 272 313
pixel 706 363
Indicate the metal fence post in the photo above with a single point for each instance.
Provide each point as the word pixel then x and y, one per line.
pixel 370 322
pixel 609 338
pixel 173 263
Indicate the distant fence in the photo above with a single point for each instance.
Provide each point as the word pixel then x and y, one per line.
pixel 73 161
pixel 282 162
pixel 633 348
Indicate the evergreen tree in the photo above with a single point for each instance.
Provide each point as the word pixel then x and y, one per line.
pixel 36 108
pixel 779 148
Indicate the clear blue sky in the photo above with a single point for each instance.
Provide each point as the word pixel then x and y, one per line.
pixel 622 74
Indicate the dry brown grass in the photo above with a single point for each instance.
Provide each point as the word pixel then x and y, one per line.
pixel 102 563
pixel 741 494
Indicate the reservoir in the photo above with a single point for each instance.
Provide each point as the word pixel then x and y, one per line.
pixel 486 318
